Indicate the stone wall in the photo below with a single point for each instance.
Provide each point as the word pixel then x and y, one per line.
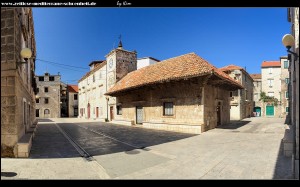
pixel 17 94
pixel 191 109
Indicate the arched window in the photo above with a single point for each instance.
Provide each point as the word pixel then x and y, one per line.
pixel 46 111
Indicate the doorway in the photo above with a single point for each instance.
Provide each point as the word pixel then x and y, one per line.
pixel 89 110
pixel 219 114
pixel 139 115
pixel 111 113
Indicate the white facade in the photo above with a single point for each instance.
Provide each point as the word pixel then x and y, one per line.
pixel 271 83
pixel 146 61
pixel 91 100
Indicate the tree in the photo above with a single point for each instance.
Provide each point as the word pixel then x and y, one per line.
pixel 268 99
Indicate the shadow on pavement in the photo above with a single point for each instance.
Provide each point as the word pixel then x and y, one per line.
pixel 283 167
pixel 97 138
pixel 45 120
pixel 233 125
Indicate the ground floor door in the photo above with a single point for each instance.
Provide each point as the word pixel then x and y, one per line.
pixel 97 112
pixel 257 111
pixel 139 115
pixel 219 114
pixel 89 111
pixel 269 110
pixel 111 113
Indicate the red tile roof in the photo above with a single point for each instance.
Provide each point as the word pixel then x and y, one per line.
pixel 255 76
pixel 181 67
pixel 72 88
pixel 231 67
pixel 270 64
pixel 96 67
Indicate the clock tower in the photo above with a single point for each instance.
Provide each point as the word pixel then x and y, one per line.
pixel 120 62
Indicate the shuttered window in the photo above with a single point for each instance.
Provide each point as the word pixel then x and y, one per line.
pixel 168 109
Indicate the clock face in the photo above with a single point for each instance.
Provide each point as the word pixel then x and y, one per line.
pixel 110 63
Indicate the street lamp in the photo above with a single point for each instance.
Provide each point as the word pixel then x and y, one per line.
pixel 25 53
pixel 288 41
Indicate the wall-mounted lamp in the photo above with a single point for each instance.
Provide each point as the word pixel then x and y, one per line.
pixel 37 97
pixel 25 54
pixel 288 41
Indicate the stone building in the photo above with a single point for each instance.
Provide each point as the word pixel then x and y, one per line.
pixel 183 93
pixel 275 80
pixel 48 97
pixel 102 76
pixel 72 100
pixel 285 80
pixel 256 93
pixel 241 104
pixel 17 82
pixel 271 85
pixel 146 61
pixel 293 18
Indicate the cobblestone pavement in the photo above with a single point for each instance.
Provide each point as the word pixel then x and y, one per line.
pixel 247 149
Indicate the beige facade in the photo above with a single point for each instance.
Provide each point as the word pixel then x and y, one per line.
pixel 241 102
pixel 17 82
pixel 72 94
pixel 48 97
pixel 183 94
pixel 285 79
pixel 195 107
pixel 256 94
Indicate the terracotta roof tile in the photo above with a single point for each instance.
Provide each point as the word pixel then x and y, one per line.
pixel 231 67
pixel 181 67
pixel 96 67
pixel 270 64
pixel 255 76
pixel 72 88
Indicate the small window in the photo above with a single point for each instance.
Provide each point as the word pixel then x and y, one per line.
pixel 286 64
pixel 46 89
pixel 51 78
pixel 46 100
pixel 46 111
pixel 75 96
pixel 37 100
pixel 271 81
pixel 168 109
pixel 286 95
pixel 119 110
pixel 287 80
pixel 287 109
pixel 230 94
pixel 270 70
pixel 37 90
pixel 41 78
pixel 93 77
pixel 271 94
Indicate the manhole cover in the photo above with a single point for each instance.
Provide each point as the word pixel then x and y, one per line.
pixel 8 174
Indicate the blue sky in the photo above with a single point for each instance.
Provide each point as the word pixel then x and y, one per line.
pixel 223 36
